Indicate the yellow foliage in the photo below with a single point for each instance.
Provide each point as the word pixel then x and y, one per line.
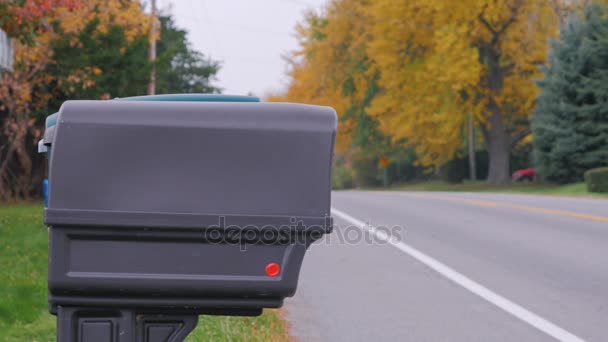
pixel 438 62
pixel 31 59
pixel 126 14
pixel 332 49
pixel 434 73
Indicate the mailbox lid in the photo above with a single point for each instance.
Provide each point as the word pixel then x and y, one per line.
pixel 126 159
pixel 192 98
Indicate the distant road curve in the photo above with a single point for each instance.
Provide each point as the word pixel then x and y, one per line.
pixel 463 267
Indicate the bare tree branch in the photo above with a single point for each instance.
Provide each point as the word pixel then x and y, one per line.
pixel 520 136
pixel 496 33
pixel 485 23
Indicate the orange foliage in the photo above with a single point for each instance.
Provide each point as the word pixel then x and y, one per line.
pixel 17 102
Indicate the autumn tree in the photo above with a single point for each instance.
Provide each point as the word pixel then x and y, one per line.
pixel 24 19
pixel 332 68
pixel 26 91
pixel 87 49
pixel 441 60
pixel 415 70
pixel 20 96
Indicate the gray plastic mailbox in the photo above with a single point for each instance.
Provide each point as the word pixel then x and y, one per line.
pixel 163 210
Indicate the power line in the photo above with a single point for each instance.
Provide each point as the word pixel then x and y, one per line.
pixel 214 35
pixel 246 28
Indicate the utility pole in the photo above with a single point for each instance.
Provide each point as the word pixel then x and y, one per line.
pixel 472 161
pixel 152 52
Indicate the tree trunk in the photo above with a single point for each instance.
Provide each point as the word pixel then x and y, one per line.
pixel 497 142
pixel 496 137
pixel 472 161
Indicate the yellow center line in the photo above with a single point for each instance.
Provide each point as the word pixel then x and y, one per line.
pixel 559 213
pixel 484 203
pixel 515 206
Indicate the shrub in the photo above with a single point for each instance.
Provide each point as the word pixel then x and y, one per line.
pixel 341 178
pixel 597 179
pixel 365 171
pixel 482 160
pixel 454 171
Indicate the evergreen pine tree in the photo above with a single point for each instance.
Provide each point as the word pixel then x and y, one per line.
pixel 571 125
pixel 179 67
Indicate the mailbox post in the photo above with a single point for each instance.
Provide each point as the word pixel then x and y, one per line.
pixel 164 208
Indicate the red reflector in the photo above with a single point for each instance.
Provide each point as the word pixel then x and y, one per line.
pixel 273 269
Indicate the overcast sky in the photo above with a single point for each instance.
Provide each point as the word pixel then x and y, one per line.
pixel 247 36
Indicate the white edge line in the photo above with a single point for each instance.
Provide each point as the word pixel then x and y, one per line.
pixel 503 303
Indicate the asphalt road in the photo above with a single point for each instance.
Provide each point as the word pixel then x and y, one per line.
pixel 462 267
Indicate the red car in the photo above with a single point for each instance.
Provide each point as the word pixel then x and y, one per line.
pixel 524 174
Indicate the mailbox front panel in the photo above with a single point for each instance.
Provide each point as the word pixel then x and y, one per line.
pixel 144 198
pixel 161 267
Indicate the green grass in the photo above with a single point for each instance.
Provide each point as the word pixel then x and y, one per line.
pixel 577 189
pixel 23 298
pixel 268 327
